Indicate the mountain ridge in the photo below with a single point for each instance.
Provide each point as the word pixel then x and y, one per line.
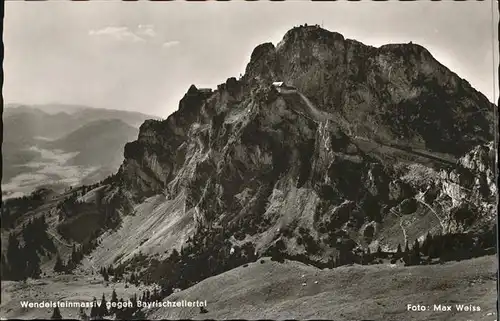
pixel 68 108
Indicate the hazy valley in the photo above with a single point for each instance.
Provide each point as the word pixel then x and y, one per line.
pixel 58 146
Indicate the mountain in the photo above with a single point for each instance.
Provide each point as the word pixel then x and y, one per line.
pixel 55 121
pixel 105 146
pixel 362 152
pixel 374 147
pixel 28 128
pixel 23 125
pixel 47 108
pixel 367 129
pixel 397 92
pixel 133 119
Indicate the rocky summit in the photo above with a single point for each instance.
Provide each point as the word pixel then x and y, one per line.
pixel 325 150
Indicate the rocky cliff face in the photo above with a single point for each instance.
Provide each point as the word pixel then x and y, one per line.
pixel 377 146
pixel 397 92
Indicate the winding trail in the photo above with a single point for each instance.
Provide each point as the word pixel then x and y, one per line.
pixel 317 114
pixel 320 116
pixel 58 239
pixel 406 149
pixel 400 224
pixel 311 111
pixel 435 213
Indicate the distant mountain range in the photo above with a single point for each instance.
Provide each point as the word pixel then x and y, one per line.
pixel 55 121
pixel 88 139
pixel 105 145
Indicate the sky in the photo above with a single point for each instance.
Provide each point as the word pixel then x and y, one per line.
pixel 143 56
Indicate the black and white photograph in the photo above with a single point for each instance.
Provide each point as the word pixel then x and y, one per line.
pixel 222 160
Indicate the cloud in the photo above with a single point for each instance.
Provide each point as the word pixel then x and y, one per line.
pixel 118 33
pixel 170 44
pixel 146 31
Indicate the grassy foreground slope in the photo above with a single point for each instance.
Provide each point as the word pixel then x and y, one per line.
pixel 293 290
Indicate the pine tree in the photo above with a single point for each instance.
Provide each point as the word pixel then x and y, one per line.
pixel 44 223
pixel 56 315
pixel 74 256
pixel 15 258
pixel 103 308
pixel 143 296
pixel 4 269
pixel 398 251
pixel 120 313
pixel 6 223
pixel 277 251
pixel 129 311
pixel 155 295
pixel 118 273
pixel 94 311
pixel 426 244
pixel 114 300
pixel 166 289
pixel 175 255
pixel 105 274
pixel 58 266
pixel 68 267
pixel 32 263
pixel 446 247
pixel 406 254
pixel 110 270
pixel 416 247
pixel 134 303
pixel 416 253
pixel 433 251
